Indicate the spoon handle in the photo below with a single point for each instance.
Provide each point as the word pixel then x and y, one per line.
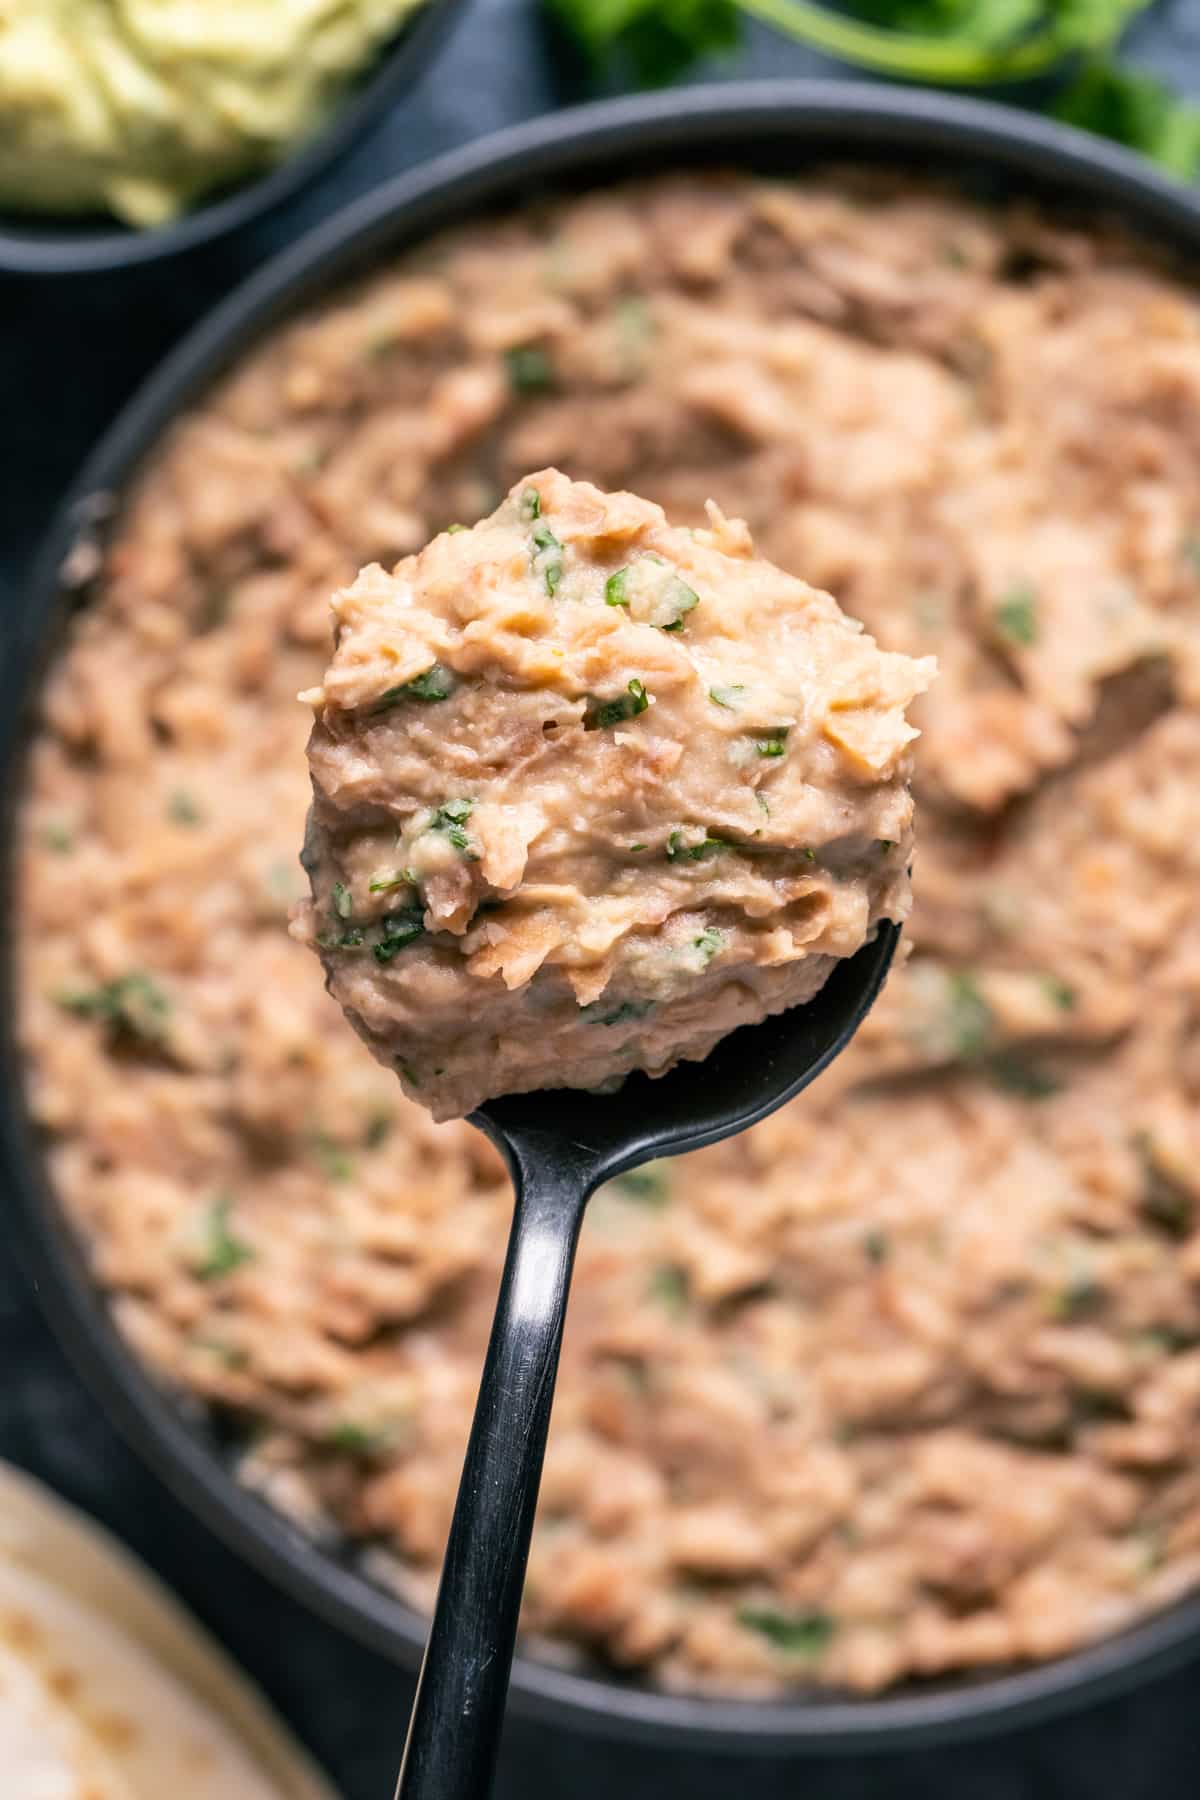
pixel 454 1732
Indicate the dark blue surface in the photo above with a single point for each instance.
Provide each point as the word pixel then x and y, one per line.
pixel 73 350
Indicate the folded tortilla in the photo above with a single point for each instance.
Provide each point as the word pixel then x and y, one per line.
pixel 108 1690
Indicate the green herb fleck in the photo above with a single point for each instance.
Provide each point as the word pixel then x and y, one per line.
pixel 709 943
pixel 728 697
pixel 648 1185
pixel 434 684
pixel 530 370
pixel 383 884
pixel 547 558
pixel 1015 614
pixel 530 507
pixel 628 1009
pixel 132 1006
pixel 806 1633
pixel 1164 1203
pixel 1060 993
pixel 669 1285
pixel 335 1160
pixel 1017 1075
pixel 182 809
pixel 454 530
pixel 397 931
pixel 679 851
pixel 450 819
pixel 343 900
pixel 601 713
pixel 361 1440
pixel 877 1247
pixel 775 744
pixel 615 589
pixel 379 1126
pixel 223 1250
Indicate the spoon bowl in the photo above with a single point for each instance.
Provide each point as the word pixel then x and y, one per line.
pixel 560 1146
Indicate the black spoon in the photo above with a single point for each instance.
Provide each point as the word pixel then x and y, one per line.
pixel 560 1146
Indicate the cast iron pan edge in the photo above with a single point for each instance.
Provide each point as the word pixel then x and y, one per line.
pixel 736 123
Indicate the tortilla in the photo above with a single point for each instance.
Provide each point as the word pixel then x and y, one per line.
pixel 108 1690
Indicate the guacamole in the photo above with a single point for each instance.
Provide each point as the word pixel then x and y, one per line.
pixel 140 107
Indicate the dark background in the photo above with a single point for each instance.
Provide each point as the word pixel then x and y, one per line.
pixel 73 349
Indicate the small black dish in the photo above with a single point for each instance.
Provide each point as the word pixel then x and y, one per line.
pixel 774 126
pixel 45 244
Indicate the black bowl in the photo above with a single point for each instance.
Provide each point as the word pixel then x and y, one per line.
pixel 48 244
pixel 769 125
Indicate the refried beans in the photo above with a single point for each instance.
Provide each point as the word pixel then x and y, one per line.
pixel 589 792
pixel 907 1379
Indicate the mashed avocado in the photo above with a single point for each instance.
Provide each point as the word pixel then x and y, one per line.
pixel 138 107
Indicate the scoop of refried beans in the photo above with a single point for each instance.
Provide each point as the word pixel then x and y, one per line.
pixel 590 791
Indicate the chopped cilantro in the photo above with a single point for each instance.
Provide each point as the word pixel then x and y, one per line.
pixel 450 819
pixel 531 505
pixel 398 930
pixel 335 1160
pixel 223 1250
pixel 547 558
pixel 1060 993
pixel 647 1185
pixel 669 1285
pixel 383 884
pixel 182 809
pixel 601 713
pixel 615 587
pixel 1015 615
pixel 530 370
pixel 808 1633
pixel 679 851
pixel 132 1006
pixel 877 1247
pixel 652 591
pixel 432 685
pixel 709 943
pixel 727 696
pixel 628 1009
pixel 343 900
pixel 775 744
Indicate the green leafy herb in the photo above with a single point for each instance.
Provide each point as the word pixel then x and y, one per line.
pixel 434 684
pixel 615 589
pixel 808 1633
pixel 383 884
pixel 352 938
pixel 775 744
pixel 224 1251
pixel 628 1009
pixel 1017 1075
pixel 335 1160
pixel 378 1130
pixel 131 1006
pixel 450 820
pixel 530 370
pixel 1164 1203
pixel 343 900
pixel 969 1017
pixel 654 40
pixel 182 809
pixel 397 931
pixel 1136 110
pixel 877 1247
pixel 1060 993
pixel 531 505
pixel 648 1185
pixel 1015 615
pixel 709 943
pixel 547 558
pixel 729 697
pixel 58 837
pixel 678 850
pixel 361 1440
pixel 601 713
pixel 669 1285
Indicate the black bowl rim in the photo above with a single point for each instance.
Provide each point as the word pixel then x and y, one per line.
pixel 727 122
pixel 48 243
